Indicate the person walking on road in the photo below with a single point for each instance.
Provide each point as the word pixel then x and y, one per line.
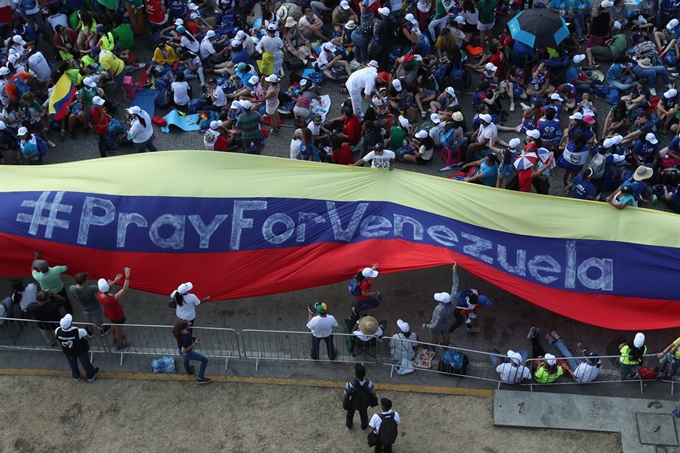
pixel 384 427
pixel 87 296
pixel 358 396
pixel 321 325
pixel 186 302
pixel 187 349
pixel 112 307
pixel 73 342
pixel 441 316
pixel 49 278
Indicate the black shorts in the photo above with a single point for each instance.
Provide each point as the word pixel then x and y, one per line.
pixel 120 321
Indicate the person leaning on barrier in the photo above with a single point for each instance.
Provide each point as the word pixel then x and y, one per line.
pixel 49 278
pixel 441 316
pixel 670 359
pixel 74 345
pixel 87 296
pixel 510 368
pixel 321 324
pixel 186 302
pixel 46 310
pixel 24 295
pixel 632 355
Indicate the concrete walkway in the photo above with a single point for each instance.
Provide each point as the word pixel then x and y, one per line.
pixel 646 426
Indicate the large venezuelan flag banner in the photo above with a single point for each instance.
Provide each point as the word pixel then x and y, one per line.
pixel 240 226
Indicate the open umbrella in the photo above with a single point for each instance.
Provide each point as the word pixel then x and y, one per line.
pixel 538 28
pixel 525 161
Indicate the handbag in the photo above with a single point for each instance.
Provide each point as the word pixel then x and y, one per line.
pixel 372 439
pixel 172 303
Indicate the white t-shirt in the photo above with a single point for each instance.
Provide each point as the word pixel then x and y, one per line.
pixel 425 154
pixel 585 372
pixel 315 128
pixel 193 46
pixel 28 296
pixel 395 5
pixel 295 148
pixel 180 91
pixel 383 161
pixel 512 374
pixel 58 19
pixel 187 311
pixel 376 420
pixel 490 132
pixel 436 132
pixel 362 80
pixel 220 97
pixel 304 23
pixel 207 48
pixel 424 6
pixel 322 61
pixel 249 45
pixel 210 138
pixel 270 44
pixel 322 326
pixel 28 12
pixel 39 66
pixel 471 18
pixel 138 132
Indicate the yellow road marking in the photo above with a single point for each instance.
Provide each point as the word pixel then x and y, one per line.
pixel 413 388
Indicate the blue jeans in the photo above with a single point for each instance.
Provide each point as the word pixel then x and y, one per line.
pixel 675 364
pixel 627 84
pixel 189 74
pixel 9 303
pixel 193 355
pixel 85 361
pixel 627 370
pixel 329 347
pixel 566 353
pixel 651 73
pixel 142 147
pixel 493 358
pixel 361 49
pixel 361 305
pixel 580 22
pixel 319 8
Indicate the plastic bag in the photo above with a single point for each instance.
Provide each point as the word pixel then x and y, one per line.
pixel 164 365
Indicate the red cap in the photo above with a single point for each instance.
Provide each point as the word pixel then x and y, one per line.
pixel 385 76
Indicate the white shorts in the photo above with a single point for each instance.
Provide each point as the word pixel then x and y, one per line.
pixel 482 27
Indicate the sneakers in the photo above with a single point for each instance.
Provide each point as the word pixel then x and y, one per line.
pixel 203 380
pixel 533 332
pixel 669 86
pixel 512 106
pixel 76 378
pixel 104 331
pixel 652 91
pixel 51 144
pixel 96 373
pixel 473 330
pixel 550 339
pixel 524 106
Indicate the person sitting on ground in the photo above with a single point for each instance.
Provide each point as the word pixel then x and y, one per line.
pixel 623 198
pixel 510 367
pixel 606 53
pixel 617 120
pixel 403 347
pixel 547 370
pixel 539 85
pixel 585 370
pixel 583 188
pixel 423 149
pixel 487 170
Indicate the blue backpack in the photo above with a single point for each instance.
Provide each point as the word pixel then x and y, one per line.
pixel 195 105
pixel 670 59
pixel 353 287
pixel 42 147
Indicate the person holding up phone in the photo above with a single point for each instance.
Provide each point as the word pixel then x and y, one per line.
pixel 112 307
pixel 187 344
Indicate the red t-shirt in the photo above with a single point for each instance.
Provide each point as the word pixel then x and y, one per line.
pixel 101 121
pixel 343 156
pixel 191 26
pixel 352 129
pixel 222 143
pixel 365 286
pixel 112 308
pixel 154 12
pixel 498 59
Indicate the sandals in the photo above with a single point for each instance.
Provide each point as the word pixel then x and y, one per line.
pixel 343 90
pixel 423 115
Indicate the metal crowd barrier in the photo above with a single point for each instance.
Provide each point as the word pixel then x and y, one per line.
pixel 296 346
pixel 25 335
pixel 154 340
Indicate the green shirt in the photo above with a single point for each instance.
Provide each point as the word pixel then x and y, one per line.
pixel 618 45
pixel 625 356
pixel 542 375
pixel 487 11
pixel 249 123
pixel 50 280
pixel 87 296
pixel 397 137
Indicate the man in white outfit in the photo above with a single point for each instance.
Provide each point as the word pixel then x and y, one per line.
pixel 361 83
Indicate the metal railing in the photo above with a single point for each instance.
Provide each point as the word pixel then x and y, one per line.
pixel 274 345
pixel 154 340
pixel 297 346
pixel 27 335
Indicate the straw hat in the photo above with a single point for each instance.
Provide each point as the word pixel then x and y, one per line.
pixel 368 325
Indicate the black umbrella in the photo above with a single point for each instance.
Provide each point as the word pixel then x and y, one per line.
pixel 538 28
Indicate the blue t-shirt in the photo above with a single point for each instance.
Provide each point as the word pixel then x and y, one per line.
pixel 309 150
pixel 583 189
pixel 645 149
pixel 548 129
pixel 489 172
pixel 571 75
pixel 674 145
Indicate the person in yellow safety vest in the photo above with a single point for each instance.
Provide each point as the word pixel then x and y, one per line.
pixel 631 355
pixel 670 356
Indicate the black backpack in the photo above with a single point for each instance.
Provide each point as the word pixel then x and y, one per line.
pixel 360 396
pixel 388 429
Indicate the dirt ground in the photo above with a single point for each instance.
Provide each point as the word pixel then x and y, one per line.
pixel 56 414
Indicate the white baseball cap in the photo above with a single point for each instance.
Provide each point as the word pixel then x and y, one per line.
pixel 514 143
pixel 533 133
pixel 550 359
pixel 66 321
pixel 672 24
pixel 134 110
pixel 22 131
pixel 18 39
pixel 246 104
pixel 578 58
pixel 486 118
pixel 254 79
pixel 87 81
pixel 4 70
pixel 651 138
pixel 556 96
pixel 403 121
pixel 670 93
pixel 617 25
pixel 384 11
pixel 329 46
pixel 421 134
pixel 97 100
pixel 235 105
pixel 13 57
pixel 607 4
pixel 3 126
pixel 409 17
pixel 435 118
pixel 459 20
pixel 608 143
pixel 103 285
pixel 442 297
pixel 576 116
pixel 235 43
pixel 450 91
pixel 215 125
pixel 179 22
pixel 491 67
pixel 240 35
pixel 369 272
pixel 272 27
pixel 193 6
pixel 210 33
pixel 272 78
pixel 344 4
pixel 185 287
pixel 396 83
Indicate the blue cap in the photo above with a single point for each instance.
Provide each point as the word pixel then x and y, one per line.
pixel 181 29
pixel 378 147
pixel 95 50
pixel 483 300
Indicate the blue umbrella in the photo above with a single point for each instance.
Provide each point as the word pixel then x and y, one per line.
pixel 538 28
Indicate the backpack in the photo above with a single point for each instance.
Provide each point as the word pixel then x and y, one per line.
pixel 353 287
pixel 130 87
pixel 646 372
pixel 597 165
pixel 360 396
pixel 453 362
pixel 195 105
pixel 42 147
pixel 388 429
